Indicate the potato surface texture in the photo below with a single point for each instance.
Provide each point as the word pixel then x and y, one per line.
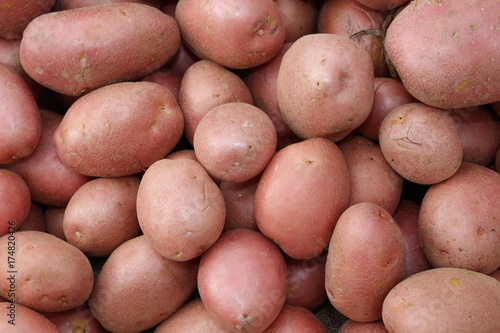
pixel 78 50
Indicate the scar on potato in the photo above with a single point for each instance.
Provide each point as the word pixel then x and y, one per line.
pixel 455 282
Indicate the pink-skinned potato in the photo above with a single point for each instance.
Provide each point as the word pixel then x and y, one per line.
pixel 54 218
pixel 97 45
pixel 352 326
pixel 64 281
pixel 299 17
pixel 72 4
pixel 301 194
pixel 15 15
pixel 15 201
pixel 104 134
pixel 75 320
pixel 383 4
pixel 296 319
pixel 19 318
pixel 239 202
pixel 444 54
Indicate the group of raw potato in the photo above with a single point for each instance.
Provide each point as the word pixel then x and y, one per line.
pixel 235 165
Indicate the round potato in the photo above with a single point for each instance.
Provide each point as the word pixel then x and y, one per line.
pixel 18 318
pixel 104 134
pixel 15 201
pixel 351 326
pixel 296 319
pixel 299 17
pixel 446 299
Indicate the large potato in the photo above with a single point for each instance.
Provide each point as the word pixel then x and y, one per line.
pixel 49 274
pixel 444 299
pixel 446 52
pixel 119 130
pixel 97 45
pixel 300 196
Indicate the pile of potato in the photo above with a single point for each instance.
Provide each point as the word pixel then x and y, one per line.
pixel 234 165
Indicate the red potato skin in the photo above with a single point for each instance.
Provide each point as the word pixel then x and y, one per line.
pixel 78 319
pixel 250 298
pixel 35 220
pixel 131 40
pixel 72 4
pixel 237 34
pixel 20 116
pixel 51 182
pixel 239 202
pixel 167 78
pixel 430 69
pixel 54 219
pixel 15 201
pixel 104 135
pixel 358 277
pixel 17 14
pixel 299 17
pixel 351 326
pixel 299 217
pixel 459 222
pixel 296 319
pixel 383 4
pixel 18 318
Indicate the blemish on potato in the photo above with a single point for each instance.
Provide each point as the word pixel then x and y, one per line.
pixel 403 306
pixel 455 282
pixel 38 70
pixel 79 326
pixel 463 85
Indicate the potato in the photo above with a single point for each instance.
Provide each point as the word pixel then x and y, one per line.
pixel 239 202
pixel 383 4
pixel 351 326
pixel 72 4
pixel 446 299
pixel 372 179
pixel 102 215
pixel 51 182
pixel 20 116
pixel 296 319
pixel 235 141
pixel 105 135
pixel 180 209
pixel 459 221
pixel 299 17
pixel 421 143
pixel 236 34
pixel 365 260
pixel 64 281
pixel 325 86
pixel 183 58
pixel 18 318
pixel 16 14
pixel 15 201
pixel 75 320
pixel 54 218
pixel 167 78
pixel 204 86
pixel 300 196
pixel 35 220
pixel 138 288
pixel 426 57
pixel 97 45
pixel 249 298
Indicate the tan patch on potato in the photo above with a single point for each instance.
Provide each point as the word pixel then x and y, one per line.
pixel 455 282
pixel 463 85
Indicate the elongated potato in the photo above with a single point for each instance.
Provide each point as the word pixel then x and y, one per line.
pixel 97 45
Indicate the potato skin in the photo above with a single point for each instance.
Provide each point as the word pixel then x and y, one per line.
pixel 17 14
pixel 459 221
pixel 300 196
pixel 138 288
pixel 24 319
pixel 104 134
pixel 64 281
pixel 97 46
pixel 446 299
pixel 351 326
pixel 15 201
pixel 296 319
pixel 365 260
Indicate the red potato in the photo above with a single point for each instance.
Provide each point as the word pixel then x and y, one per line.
pixel 406 216
pixel 351 326
pixel 126 299
pixel 459 221
pixel 18 318
pixel 479 130
pixel 15 201
pixel 54 218
pixel 20 116
pixel 182 59
pixel 204 86
pixel 167 78
pixel 421 143
pixel 130 41
pixel 348 17
pixel 17 14
pixel 372 179
pixel 383 4
pixel 300 196
pixel 296 319
pixel 365 260
pixel 239 202
pixel 104 134
pixel 51 182
pixel 64 280
pixel 35 220
pixel 299 17
pixel 102 215
pixel 72 4
pixel 76 320
pixel 496 275
pixel 325 86
pixel 423 42
pixel 250 298
pixel 237 34
pixel 389 93
pixel 180 209
pixel 235 141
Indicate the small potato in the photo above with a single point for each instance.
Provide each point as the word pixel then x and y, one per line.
pixel 97 46
pixel 18 318
pixel 365 260
pixel 17 14
pixel 459 221
pixel 444 299
pixel 300 196
pixel 180 209
pixel 102 215
pixel 64 281
pixel 15 201
pixel 104 134
pixel 235 141
pixel 249 298
pixel 239 202
pixel 325 86
pixel 421 143
pixel 138 288
pixel 299 17
pixel 296 319
pixel 167 78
